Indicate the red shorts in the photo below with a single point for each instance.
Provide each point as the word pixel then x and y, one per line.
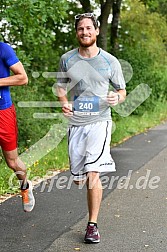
pixel 8 129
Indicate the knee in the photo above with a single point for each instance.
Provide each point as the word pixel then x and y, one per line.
pixel 12 164
pixel 93 180
pixel 15 164
pixel 92 176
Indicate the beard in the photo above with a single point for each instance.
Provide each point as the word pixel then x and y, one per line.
pixel 87 43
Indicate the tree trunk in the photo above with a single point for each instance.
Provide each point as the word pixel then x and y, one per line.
pixel 105 12
pixel 86 5
pixel 114 26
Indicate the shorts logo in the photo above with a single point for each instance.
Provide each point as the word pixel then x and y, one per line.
pixel 107 164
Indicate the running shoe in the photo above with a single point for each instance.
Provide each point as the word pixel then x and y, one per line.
pixel 92 234
pixel 28 199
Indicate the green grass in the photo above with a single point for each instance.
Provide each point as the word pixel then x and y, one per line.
pixel 132 125
pixel 57 159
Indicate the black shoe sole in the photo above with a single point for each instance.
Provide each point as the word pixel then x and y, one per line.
pixel 91 242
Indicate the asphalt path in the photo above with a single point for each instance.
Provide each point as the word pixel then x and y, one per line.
pixel 133 211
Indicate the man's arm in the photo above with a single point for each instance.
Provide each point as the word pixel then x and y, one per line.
pixel 19 77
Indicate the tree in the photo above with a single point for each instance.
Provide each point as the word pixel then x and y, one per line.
pixel 105 7
pixel 29 26
pixel 142 36
pixel 114 26
pixel 159 6
pixel 86 5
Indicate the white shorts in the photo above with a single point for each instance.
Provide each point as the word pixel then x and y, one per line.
pixel 89 149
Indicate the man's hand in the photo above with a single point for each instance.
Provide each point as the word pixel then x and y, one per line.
pixel 67 109
pixel 113 98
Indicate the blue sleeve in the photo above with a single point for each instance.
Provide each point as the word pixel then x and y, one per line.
pixel 9 55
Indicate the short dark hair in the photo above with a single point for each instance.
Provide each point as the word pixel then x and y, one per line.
pixel 91 16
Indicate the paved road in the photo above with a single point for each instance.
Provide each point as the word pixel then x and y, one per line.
pixel 133 212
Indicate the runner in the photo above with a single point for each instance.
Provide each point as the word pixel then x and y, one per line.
pixel 88 72
pixel 8 122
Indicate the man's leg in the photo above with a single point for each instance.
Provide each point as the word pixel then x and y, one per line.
pixel 94 195
pixel 14 162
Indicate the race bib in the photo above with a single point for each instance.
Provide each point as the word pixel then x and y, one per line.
pixel 86 105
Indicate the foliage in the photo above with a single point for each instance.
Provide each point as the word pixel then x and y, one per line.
pixel 144 50
pixel 31 24
pixel 159 6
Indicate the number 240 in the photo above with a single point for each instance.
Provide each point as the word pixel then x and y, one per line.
pixel 85 105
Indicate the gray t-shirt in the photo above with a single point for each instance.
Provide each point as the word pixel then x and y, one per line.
pixel 88 81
